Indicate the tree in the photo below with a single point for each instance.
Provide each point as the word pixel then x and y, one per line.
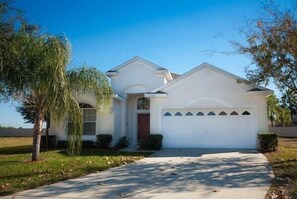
pixel 53 90
pixel 289 101
pixel 271 43
pixel 80 80
pixel 278 113
pixel 28 110
pixel 272 108
pixel 34 64
pixel 13 70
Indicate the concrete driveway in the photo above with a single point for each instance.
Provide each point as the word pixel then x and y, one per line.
pixel 172 173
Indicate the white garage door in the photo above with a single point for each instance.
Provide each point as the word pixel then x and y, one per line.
pixel 208 128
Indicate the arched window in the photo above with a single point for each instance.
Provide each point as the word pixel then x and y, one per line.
pixel 200 113
pixel 189 114
pixel 246 113
pixel 167 114
pixel 84 105
pixel 89 114
pixel 143 104
pixel 234 113
pixel 222 113
pixel 178 114
pixel 211 113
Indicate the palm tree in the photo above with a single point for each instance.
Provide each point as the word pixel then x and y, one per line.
pixel 34 64
pixel 53 88
pixel 85 80
pixel 81 80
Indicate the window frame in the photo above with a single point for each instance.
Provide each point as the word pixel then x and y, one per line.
pixel 85 107
pixel 145 104
pixel 94 121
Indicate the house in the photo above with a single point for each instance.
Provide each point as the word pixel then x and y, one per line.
pixel 206 107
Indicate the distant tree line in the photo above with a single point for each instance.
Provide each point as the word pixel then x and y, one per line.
pixel 282 111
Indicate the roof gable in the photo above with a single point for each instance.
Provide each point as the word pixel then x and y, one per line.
pixel 198 68
pixel 134 59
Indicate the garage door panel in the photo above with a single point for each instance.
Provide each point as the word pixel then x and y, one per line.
pixel 218 131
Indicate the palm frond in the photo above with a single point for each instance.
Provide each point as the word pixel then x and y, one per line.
pixel 90 81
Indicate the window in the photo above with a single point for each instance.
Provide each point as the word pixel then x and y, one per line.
pixel 222 113
pixel 189 114
pixel 167 114
pixel 211 113
pixel 89 119
pixel 143 104
pixel 83 105
pixel 234 113
pixel 246 113
pixel 200 114
pixel 178 114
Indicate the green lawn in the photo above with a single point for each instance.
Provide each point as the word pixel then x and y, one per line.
pixel 284 164
pixel 18 173
pixel 15 145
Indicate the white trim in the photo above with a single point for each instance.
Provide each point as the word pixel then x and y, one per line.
pixel 116 96
pixel 111 73
pixel 140 85
pixel 162 95
pixel 136 58
pixel 265 93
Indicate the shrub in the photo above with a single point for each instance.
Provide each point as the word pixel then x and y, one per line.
pixel 152 142
pixel 123 142
pixel 62 144
pixel 268 141
pixel 86 144
pixel 104 140
pixel 51 141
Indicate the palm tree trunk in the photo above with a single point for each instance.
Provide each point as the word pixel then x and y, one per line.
pixel 37 130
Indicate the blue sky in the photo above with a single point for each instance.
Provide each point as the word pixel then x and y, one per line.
pixel 176 34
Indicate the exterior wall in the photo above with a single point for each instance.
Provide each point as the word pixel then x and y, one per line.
pixel 104 121
pixel 208 88
pixel 136 77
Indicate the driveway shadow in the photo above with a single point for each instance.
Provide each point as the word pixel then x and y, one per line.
pixel 195 173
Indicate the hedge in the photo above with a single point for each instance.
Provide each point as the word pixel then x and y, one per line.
pixel 152 142
pixel 123 142
pixel 104 140
pixel 51 141
pixel 268 141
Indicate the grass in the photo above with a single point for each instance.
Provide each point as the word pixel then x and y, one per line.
pixel 284 164
pixel 17 173
pixel 15 145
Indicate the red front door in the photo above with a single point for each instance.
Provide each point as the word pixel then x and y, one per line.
pixel 143 128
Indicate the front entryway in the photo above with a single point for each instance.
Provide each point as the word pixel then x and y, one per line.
pixel 143 125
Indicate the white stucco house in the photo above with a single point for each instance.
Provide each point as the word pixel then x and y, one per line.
pixel 206 107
